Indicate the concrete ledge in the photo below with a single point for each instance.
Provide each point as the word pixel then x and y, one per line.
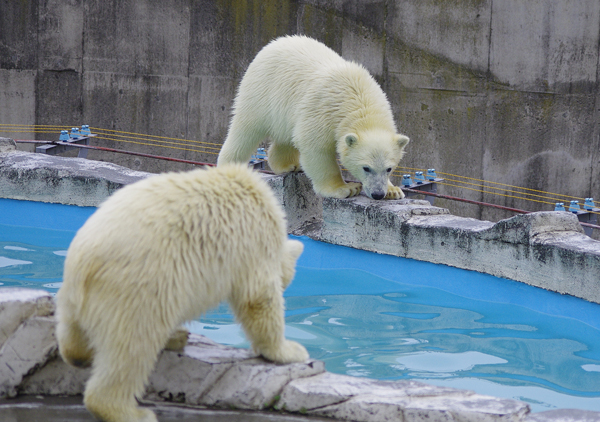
pixel 543 249
pixel 48 178
pixel 209 374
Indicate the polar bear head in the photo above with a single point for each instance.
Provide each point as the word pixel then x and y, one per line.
pixel 371 156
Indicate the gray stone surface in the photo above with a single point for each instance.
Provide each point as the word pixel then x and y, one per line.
pixel 7 145
pixel 46 178
pixel 303 207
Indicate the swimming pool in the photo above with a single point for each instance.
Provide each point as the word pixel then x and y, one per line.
pixel 380 316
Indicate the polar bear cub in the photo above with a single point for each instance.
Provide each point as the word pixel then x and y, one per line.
pixel 161 252
pixel 312 105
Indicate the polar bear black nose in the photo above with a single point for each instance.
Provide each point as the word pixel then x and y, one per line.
pixel 377 195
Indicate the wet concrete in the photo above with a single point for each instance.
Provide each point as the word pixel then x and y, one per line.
pixel 71 409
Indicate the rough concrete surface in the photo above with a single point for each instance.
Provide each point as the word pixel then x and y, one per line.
pixel 47 178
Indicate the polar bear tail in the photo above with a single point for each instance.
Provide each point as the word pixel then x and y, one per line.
pixel 293 249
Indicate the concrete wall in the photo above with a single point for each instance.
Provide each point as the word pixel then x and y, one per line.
pixel 500 90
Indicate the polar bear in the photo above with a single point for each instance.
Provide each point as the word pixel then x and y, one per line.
pixel 160 252
pixel 310 104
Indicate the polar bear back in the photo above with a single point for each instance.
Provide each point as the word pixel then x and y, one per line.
pixel 191 236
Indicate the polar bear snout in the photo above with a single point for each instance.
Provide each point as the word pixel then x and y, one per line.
pixel 378 195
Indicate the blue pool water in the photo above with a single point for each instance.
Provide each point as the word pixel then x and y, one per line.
pixel 381 317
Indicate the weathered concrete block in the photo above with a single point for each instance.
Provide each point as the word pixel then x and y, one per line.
pixel 55 377
pixel 47 178
pixel 31 345
pixel 371 225
pixel 18 305
pixel 255 384
pixel 525 227
pixel 188 375
pixel 361 399
pixel 312 393
pixel 295 193
pixel 372 408
pixel 7 145
pixel 564 415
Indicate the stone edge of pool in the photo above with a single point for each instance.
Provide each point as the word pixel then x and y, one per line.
pixel 545 249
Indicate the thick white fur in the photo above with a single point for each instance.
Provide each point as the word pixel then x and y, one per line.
pixel 160 252
pixel 310 104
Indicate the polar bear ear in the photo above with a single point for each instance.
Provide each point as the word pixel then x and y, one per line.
pixel 351 139
pixel 402 140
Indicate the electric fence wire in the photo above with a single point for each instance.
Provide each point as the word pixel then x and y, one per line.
pixel 211 148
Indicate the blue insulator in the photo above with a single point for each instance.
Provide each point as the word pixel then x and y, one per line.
pixel 85 130
pixel 260 154
pixel 574 207
pixel 419 178
pixel 589 204
pixel 74 132
pixel 560 206
pixel 406 180
pixel 64 136
pixel 431 174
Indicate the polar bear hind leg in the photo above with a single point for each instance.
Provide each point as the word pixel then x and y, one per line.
pixel 263 322
pixel 122 365
pixel 73 343
pixel 242 141
pixel 283 158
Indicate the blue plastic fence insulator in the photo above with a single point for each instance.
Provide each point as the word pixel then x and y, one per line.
pixel 75 132
pixel 574 207
pixel 431 174
pixel 589 204
pixel 64 136
pixel 419 178
pixel 560 206
pixel 260 154
pixel 406 180
pixel 85 130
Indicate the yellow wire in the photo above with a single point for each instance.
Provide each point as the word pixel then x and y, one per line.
pixel 159 143
pixel 163 141
pixel 153 145
pixel 504 184
pixel 555 196
pixel 153 136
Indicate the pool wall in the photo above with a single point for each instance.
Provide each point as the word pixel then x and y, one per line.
pixel 209 374
pixel 543 249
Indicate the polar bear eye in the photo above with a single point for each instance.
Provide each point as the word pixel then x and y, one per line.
pixel 389 169
pixel 367 169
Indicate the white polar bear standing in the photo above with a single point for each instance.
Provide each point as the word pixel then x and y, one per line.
pixel 161 252
pixel 310 104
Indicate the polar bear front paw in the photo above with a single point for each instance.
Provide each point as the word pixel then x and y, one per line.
pixel 288 352
pixel 347 190
pixel 394 192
